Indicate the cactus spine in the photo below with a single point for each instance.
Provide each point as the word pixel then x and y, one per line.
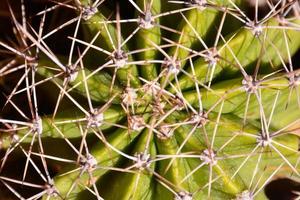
pixel 180 100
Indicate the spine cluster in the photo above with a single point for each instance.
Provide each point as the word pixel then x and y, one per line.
pixel 149 99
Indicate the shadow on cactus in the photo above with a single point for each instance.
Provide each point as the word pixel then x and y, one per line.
pixel 149 99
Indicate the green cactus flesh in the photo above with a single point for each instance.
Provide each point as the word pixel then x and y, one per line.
pixel 179 100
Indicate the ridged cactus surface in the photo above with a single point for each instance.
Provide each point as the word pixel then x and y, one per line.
pixel 149 99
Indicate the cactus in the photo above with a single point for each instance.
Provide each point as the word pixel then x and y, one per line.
pixel 153 99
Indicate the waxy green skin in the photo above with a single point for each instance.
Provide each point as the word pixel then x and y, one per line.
pixel 225 102
pixel 108 32
pixel 145 38
pixel 198 25
pixel 99 85
pixel 104 157
pixel 242 45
